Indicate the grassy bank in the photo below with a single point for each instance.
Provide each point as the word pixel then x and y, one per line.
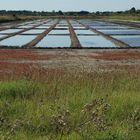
pixel 121 17
pixel 11 18
pixel 95 17
pixel 8 18
pixel 96 106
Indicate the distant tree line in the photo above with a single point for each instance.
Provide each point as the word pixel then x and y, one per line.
pixel 42 13
pixel 132 11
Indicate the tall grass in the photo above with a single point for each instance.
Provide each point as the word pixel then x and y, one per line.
pixel 94 106
pixel 10 18
pixel 122 17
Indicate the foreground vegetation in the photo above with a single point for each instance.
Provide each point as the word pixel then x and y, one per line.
pixel 65 106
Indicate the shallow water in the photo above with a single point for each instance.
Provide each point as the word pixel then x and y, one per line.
pixel 109 27
pixel 46 25
pixel 63 27
pixel 1 36
pixel 95 41
pixel 34 24
pixel 26 26
pixel 100 24
pixel 73 22
pixel 79 28
pixel 33 31
pixel 63 22
pixel 132 40
pixel 30 22
pixel 84 32
pixel 94 23
pixel 119 32
pixel 55 41
pixel 17 40
pixel 76 25
pixel 10 31
pixel 59 32
pixel 50 23
pixel 42 27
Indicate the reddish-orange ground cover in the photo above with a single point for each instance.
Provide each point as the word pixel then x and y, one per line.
pixel 10 54
pixel 117 55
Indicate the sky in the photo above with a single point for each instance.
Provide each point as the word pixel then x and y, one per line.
pixel 69 5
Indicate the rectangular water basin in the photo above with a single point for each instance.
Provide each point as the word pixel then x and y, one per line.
pixel 30 22
pixel 55 42
pixel 76 25
pixel 79 28
pixel 33 31
pixel 42 27
pixel 51 23
pixel 86 32
pixel 8 31
pixel 33 24
pixel 63 22
pixel 102 24
pixel 121 32
pixel 46 25
pixel 95 41
pixel 17 40
pixel 1 36
pixel 66 24
pixel 110 27
pixel 63 27
pixel 73 22
pixel 132 40
pixel 23 24
pixel 26 26
pixel 97 23
pixel 59 32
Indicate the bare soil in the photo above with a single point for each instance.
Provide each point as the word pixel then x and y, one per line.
pixel 87 60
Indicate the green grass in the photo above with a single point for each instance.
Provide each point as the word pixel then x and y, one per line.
pixel 96 106
pixel 121 17
pixel 10 18
pixel 130 17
